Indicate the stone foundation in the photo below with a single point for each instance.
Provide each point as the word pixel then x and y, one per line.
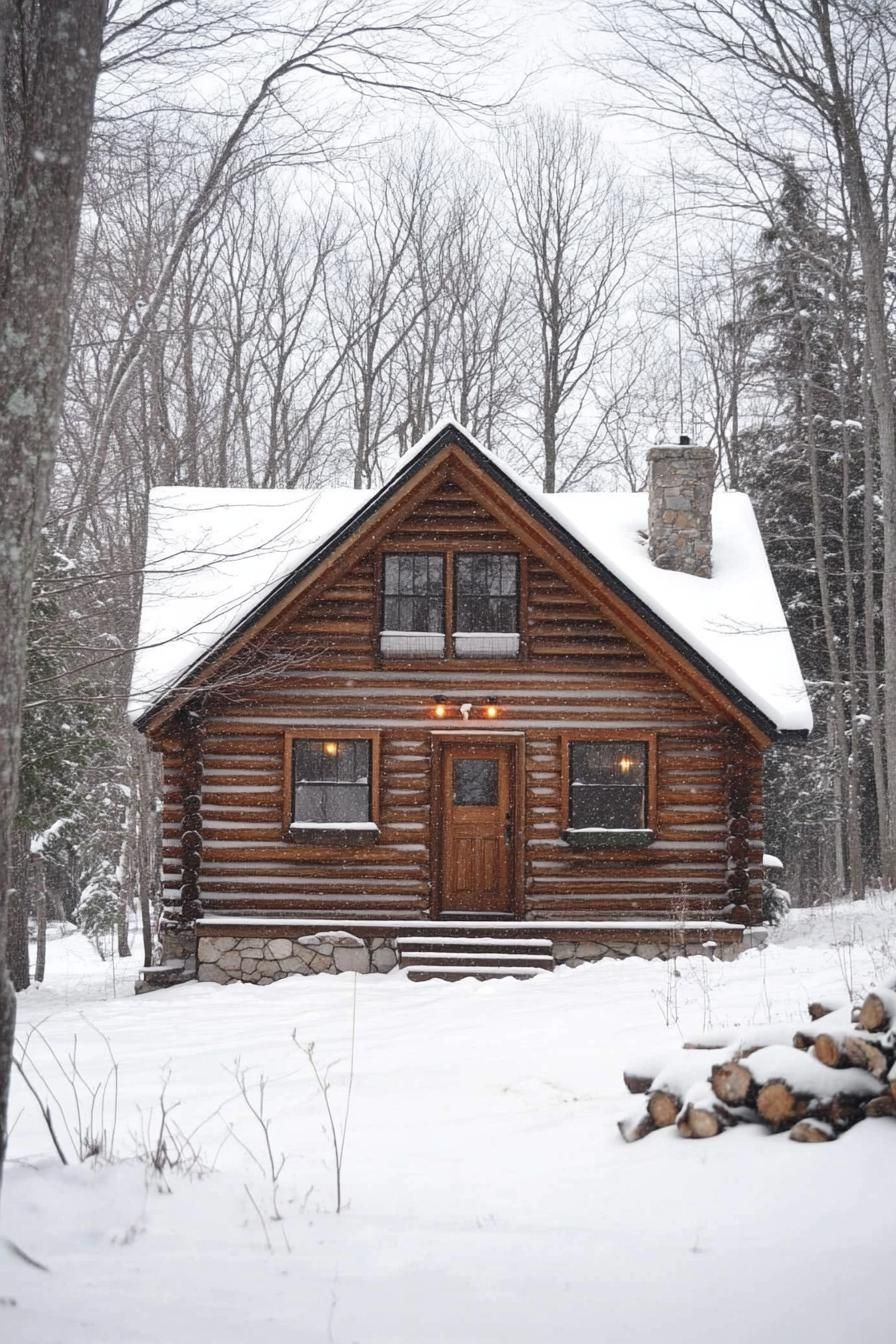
pixel 261 961
pixel 574 954
pixel 177 942
pixel 177 962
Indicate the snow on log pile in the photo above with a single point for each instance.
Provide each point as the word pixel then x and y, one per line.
pixel 814 1082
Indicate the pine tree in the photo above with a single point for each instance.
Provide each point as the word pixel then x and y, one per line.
pixel 70 818
pixel 804 469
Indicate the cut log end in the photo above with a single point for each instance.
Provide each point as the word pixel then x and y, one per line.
pixel 703 1122
pixel 637 1083
pixel 779 1106
pixel 874 1014
pixel 867 1055
pixel 828 1051
pixel 636 1127
pixel 733 1084
pixel 883 1107
pixel 663 1108
pixel 812 1131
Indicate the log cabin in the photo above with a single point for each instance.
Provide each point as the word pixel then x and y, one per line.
pixel 458 725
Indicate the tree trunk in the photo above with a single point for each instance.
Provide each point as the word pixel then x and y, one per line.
pixel 17 959
pixel 872 245
pixel 853 763
pixel 836 753
pixel 127 872
pixel 872 672
pixel 38 868
pixel 837 714
pixel 147 860
pixel 50 51
pixel 121 926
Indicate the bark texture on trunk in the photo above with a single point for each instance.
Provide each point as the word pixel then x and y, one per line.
pixel 39 895
pixel 50 53
pixel 17 960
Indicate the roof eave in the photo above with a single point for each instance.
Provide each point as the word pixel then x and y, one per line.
pixel 791 737
pixel 443 438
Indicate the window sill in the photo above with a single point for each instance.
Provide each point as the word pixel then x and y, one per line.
pixel 597 837
pixel 411 644
pixel 343 836
pixel 483 644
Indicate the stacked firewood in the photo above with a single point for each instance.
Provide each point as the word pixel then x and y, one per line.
pixel 835 1070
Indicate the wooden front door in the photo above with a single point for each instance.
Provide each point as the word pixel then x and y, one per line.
pixel 477 813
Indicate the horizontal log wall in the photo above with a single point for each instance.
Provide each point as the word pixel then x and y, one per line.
pixel 320 668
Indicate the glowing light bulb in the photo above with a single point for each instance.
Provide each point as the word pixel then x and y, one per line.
pixel 625 764
pixel 440 711
pixel 331 748
pixel 491 711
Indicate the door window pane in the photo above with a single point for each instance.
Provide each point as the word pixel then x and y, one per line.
pixel 487 597
pixel 475 783
pixel 607 785
pixel 413 593
pixel 331 780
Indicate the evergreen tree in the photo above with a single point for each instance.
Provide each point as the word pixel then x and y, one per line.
pixel 804 469
pixel 70 816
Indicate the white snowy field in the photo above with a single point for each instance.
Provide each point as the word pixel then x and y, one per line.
pixel 487 1193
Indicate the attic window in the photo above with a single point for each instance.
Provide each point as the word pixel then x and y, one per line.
pixel 486 622
pixel 413 606
pixel 414 593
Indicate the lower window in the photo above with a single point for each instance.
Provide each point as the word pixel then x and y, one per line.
pixel 608 786
pixel 332 782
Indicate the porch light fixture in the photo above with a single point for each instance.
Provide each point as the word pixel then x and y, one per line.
pixel 491 708
pixel 440 710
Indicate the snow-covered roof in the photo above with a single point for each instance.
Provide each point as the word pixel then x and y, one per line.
pixel 213 555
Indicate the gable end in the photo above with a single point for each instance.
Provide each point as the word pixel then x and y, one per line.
pixel 447 439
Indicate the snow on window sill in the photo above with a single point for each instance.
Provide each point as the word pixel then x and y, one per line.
pixel 602 837
pixel 411 644
pixel 345 834
pixel 485 644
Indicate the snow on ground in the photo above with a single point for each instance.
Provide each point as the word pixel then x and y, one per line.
pixel 76 973
pixel 487 1193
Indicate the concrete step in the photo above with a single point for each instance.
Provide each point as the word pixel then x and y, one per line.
pixel 170 973
pixel 475 971
pixel 474 957
pixel 524 947
pixel 454 956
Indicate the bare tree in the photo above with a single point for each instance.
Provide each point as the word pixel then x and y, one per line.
pixel 751 80
pixel 380 302
pixel 718 334
pixel 574 227
pixel 146 374
pixel 365 49
pixel 483 350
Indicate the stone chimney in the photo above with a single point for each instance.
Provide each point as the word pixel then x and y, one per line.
pixel 679 521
